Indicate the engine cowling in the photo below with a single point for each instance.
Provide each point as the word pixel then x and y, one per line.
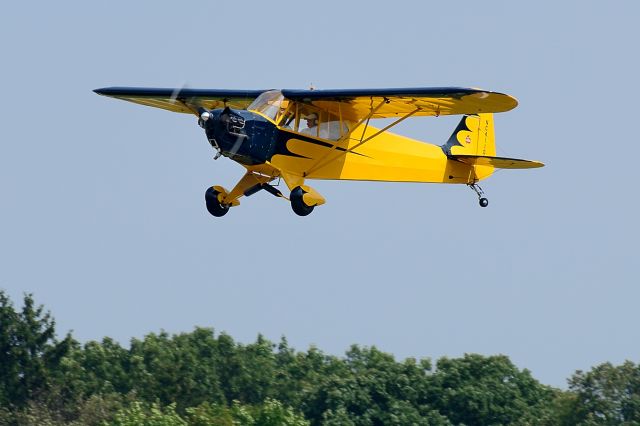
pixel 240 135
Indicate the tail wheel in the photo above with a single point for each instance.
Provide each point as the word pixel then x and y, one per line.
pixel 481 199
pixel 297 203
pixel 213 204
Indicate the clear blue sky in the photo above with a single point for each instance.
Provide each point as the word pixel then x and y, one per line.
pixel 101 201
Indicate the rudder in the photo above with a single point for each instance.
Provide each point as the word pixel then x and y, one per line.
pixel 474 135
pixel 473 143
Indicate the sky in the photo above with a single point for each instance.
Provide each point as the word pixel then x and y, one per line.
pixel 102 211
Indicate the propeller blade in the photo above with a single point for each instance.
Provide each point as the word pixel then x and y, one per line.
pixel 190 103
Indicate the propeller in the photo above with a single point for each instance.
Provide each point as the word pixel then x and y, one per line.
pixel 227 121
pixel 197 108
pixel 192 103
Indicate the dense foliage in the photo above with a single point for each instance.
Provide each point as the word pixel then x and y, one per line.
pixel 200 378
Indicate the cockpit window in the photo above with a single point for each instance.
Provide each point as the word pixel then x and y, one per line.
pixel 270 104
pixel 301 118
pixel 321 124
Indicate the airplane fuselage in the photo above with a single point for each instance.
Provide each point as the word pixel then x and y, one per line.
pixel 251 140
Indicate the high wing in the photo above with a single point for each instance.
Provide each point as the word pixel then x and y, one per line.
pixel 183 100
pixel 358 104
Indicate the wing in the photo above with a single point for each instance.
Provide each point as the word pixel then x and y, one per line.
pixel 357 104
pixel 182 100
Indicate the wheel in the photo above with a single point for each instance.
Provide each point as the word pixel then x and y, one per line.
pixel 297 203
pixel 484 202
pixel 213 205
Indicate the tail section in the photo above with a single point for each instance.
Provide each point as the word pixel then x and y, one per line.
pixel 473 142
pixel 497 162
pixel 474 135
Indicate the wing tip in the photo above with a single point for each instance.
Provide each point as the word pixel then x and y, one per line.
pixel 106 91
pixel 513 100
pixel 510 102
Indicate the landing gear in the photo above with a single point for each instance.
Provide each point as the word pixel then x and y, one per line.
pixel 213 204
pixel 484 202
pixel 297 203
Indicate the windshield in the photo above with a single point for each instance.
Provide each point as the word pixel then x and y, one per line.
pixel 269 104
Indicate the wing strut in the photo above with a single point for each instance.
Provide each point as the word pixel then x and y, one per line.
pixel 321 163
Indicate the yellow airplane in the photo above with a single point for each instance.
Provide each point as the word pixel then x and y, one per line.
pixel 299 135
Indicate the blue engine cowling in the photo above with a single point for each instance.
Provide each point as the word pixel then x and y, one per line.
pixel 241 135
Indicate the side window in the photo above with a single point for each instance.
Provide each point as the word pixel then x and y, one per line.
pixel 314 122
pixel 308 121
pixel 330 128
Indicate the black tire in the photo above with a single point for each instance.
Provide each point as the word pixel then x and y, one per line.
pixel 484 202
pixel 213 205
pixel 297 203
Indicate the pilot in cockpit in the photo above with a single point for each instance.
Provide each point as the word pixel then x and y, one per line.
pixel 312 125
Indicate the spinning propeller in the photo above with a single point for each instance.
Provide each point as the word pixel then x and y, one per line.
pixel 232 124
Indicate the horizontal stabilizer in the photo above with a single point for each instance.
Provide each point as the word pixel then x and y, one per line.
pixel 497 162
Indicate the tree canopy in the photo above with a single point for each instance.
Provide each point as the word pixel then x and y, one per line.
pixel 206 378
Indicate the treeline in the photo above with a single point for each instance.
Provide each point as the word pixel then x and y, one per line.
pixel 203 378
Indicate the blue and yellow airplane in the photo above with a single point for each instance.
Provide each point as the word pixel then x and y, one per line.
pixel 299 135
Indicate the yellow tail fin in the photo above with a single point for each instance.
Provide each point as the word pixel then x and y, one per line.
pixel 474 136
pixel 473 142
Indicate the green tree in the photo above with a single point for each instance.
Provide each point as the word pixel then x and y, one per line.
pixel 203 379
pixel 369 387
pixel 273 413
pixel 29 351
pixel 607 395
pixel 139 415
pixel 97 368
pixel 182 368
pixel 207 414
pixel 478 390
pixel 299 376
pixel 247 373
pixel 254 382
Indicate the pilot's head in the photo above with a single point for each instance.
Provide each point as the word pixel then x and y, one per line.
pixel 312 119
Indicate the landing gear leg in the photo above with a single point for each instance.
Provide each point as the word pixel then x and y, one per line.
pixel 481 199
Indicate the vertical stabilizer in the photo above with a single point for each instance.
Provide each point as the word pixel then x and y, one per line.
pixel 473 136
